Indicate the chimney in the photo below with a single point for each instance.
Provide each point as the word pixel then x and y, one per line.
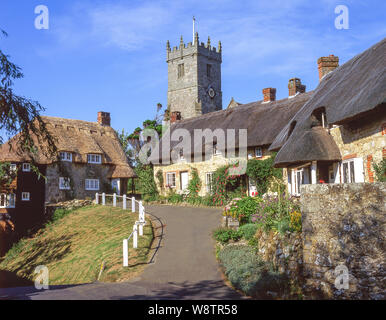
pixel 327 64
pixel 175 116
pixel 104 118
pixel 295 86
pixel 269 94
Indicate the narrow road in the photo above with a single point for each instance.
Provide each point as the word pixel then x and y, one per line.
pixel 183 267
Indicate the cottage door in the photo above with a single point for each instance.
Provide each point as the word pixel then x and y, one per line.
pixel 115 185
pixel 184 180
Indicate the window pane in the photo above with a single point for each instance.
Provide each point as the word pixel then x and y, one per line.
pixel 345 172
pixel 352 172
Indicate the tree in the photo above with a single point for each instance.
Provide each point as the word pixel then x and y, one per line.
pixel 21 116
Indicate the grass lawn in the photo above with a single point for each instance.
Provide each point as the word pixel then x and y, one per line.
pixel 74 247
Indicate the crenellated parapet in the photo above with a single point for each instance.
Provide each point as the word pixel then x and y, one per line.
pixel 183 50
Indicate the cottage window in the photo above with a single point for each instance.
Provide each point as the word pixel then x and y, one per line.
pixel 300 176
pixel 7 200
pixel 66 156
pixel 352 170
pixel 92 184
pixel 94 158
pixel 26 167
pixel 258 152
pixel 64 183
pixel 209 182
pixel 181 70
pixel 171 179
pixel 12 167
pixel 25 196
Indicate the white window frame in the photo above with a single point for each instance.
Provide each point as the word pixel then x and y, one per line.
pixel 66 156
pixel 7 200
pixel 13 167
pixel 92 184
pixel 258 152
pixel 64 183
pixel 209 181
pixel 167 179
pixel 94 158
pixel 25 196
pixel 358 174
pixel 26 167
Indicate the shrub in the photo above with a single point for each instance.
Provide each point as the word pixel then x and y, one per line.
pixel 248 230
pixel 147 186
pixel 296 221
pixel 380 170
pixel 194 184
pixel 273 213
pixel 243 208
pixel 249 273
pixel 223 235
pixel 174 197
pixel 59 214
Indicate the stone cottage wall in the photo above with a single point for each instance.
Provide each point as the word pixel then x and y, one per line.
pixel 344 224
pixel 78 173
pixel 366 140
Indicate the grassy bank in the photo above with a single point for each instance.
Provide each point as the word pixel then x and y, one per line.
pixel 74 246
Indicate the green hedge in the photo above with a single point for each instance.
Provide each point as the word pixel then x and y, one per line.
pixel 248 273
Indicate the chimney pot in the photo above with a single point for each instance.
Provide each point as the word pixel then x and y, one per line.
pixel 269 94
pixel 327 64
pixel 295 86
pixel 104 118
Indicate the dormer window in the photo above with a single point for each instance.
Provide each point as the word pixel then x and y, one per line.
pixel 94 158
pixel 318 118
pixel 12 167
pixel 66 156
pixel 258 152
pixel 26 167
pixel 181 154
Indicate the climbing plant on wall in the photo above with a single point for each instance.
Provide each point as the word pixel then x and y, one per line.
pixel 262 171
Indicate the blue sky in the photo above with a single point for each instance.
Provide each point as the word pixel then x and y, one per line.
pixel 110 55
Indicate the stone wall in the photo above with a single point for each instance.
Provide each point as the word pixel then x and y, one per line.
pixel 284 252
pixel 344 224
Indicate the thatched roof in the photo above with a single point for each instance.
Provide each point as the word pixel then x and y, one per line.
pixel 262 120
pixel 80 138
pixel 354 89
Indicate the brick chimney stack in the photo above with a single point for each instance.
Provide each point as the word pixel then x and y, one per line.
pixel 295 86
pixel 175 116
pixel 327 64
pixel 269 94
pixel 104 118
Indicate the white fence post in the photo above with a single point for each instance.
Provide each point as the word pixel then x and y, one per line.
pixel 135 236
pixel 124 202
pixel 97 198
pixel 125 253
pixel 114 200
pixel 103 199
pixel 141 218
pixel 133 204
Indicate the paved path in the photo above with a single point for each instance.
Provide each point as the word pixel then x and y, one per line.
pixel 184 265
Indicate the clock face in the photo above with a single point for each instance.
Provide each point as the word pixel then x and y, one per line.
pixel 211 93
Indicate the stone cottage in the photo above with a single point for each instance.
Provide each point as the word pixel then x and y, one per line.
pixel 90 159
pixel 339 133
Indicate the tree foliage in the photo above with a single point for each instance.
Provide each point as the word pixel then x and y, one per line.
pixel 21 116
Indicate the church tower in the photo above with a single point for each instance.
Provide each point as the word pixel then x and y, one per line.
pixel 194 78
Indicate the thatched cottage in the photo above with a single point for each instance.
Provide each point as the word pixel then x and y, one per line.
pixel 341 130
pixel 263 120
pixel 91 159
